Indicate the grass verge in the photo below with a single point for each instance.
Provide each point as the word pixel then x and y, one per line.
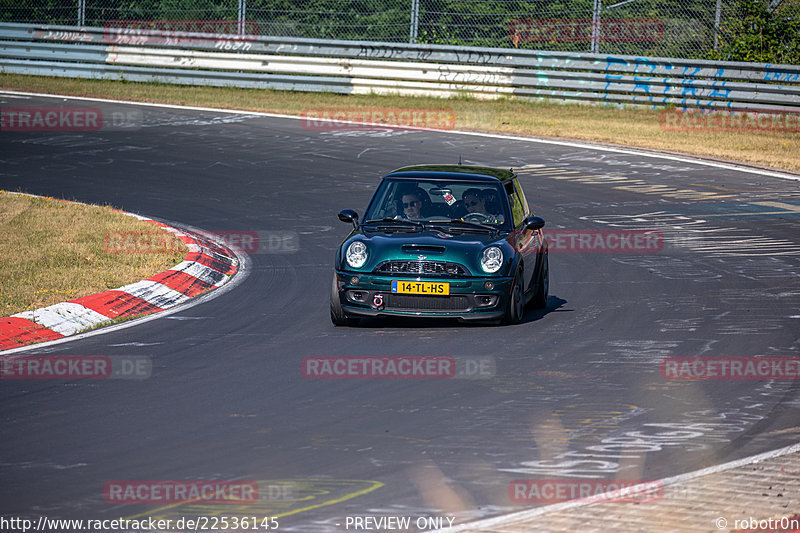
pixel 55 251
pixel 626 127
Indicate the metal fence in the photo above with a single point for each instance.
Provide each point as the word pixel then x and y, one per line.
pixel 662 28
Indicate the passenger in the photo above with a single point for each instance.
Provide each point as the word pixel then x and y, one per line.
pixel 479 202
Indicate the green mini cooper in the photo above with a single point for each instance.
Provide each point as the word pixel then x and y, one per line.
pixel 442 241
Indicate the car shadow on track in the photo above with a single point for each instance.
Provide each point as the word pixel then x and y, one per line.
pixel 554 304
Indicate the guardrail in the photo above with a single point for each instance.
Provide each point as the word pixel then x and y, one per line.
pixel 358 67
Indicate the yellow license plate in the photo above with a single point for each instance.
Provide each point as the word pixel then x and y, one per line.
pixel 421 287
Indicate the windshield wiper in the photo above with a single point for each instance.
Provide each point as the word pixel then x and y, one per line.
pixel 476 225
pixel 395 221
pixel 441 229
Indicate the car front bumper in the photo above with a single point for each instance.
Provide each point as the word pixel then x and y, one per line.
pixel 469 299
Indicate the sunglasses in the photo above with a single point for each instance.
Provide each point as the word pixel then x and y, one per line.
pixel 413 203
pixel 472 203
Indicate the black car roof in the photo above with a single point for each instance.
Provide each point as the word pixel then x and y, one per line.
pixel 460 172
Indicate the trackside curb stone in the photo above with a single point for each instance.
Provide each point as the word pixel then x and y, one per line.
pixel 206 266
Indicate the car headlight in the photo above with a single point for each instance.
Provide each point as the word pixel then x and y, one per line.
pixel 492 259
pixel 356 254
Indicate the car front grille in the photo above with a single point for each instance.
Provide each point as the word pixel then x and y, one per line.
pixel 416 302
pixel 430 268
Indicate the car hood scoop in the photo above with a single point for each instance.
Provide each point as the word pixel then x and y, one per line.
pixel 423 248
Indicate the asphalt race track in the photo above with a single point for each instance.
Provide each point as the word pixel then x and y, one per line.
pixel 575 391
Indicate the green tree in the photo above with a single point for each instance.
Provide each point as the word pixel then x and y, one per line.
pixel 753 32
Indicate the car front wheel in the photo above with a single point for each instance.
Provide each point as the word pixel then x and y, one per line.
pixel 543 286
pixel 516 301
pixel 338 316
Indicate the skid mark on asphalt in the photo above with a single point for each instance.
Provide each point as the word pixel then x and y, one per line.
pixel 695 235
pixel 548 389
pixel 761 268
pixel 356 441
pixel 622 183
pixel 638 352
pixel 612 455
pixel 682 325
pixel 732 312
pixel 161 118
pixel 591 419
pixel 682 231
pixel 752 209
pixel 671 268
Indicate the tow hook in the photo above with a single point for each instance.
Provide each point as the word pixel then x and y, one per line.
pixel 377 301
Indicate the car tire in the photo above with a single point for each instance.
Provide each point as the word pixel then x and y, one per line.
pixel 543 286
pixel 516 301
pixel 338 316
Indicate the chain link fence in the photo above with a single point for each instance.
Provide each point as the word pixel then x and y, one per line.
pixel 665 28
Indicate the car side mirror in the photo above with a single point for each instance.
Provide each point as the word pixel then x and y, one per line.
pixel 348 215
pixel 533 223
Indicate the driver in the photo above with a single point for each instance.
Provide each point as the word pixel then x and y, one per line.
pixel 413 203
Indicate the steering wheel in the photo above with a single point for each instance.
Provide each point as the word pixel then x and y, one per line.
pixel 479 217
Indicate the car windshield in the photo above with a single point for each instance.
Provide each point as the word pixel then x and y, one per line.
pixel 440 202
